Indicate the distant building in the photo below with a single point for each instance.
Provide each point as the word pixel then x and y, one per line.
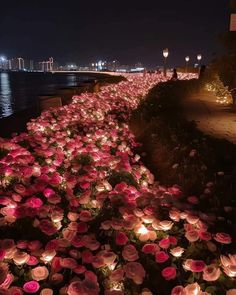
pixel 99 65
pixel 138 65
pixel 17 64
pixel 71 67
pixel 31 65
pixel 123 68
pixel 113 65
pixel 47 66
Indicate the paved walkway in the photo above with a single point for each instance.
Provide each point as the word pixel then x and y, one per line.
pixel 212 118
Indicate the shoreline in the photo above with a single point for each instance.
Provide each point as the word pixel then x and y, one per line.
pixel 17 122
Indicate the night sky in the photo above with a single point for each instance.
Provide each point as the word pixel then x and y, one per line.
pixel 130 31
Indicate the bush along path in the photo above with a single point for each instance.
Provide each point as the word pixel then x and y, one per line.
pixel 81 214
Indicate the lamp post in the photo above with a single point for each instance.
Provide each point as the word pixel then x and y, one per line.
pixel 199 57
pixel 165 54
pixel 187 60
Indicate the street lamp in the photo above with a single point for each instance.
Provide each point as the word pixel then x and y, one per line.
pixel 199 57
pixel 165 54
pixel 187 60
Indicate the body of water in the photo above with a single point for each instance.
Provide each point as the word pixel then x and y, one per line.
pixel 20 90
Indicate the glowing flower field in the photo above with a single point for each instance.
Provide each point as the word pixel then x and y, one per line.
pixel 80 214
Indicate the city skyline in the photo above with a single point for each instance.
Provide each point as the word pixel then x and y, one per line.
pixel 80 32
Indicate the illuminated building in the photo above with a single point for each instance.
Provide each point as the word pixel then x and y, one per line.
pixel 17 64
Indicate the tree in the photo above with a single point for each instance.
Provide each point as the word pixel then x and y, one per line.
pixel 225 65
pixel 233 4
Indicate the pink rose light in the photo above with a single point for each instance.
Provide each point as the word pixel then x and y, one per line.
pixel 72 216
pixel 192 235
pixel 108 257
pixel 164 243
pixel 34 202
pixel 121 239
pixel 46 291
pixel 70 263
pixel 223 238
pixel 229 265
pixel 204 235
pixel 150 248
pixel 211 273
pixel 178 290
pixel 117 275
pixel 169 273
pixel 161 257
pixel 20 258
pixel 130 253
pixel 31 287
pixel 9 279
pixel 197 265
pixel 32 261
pixel 47 227
pixel 83 288
pixel 39 273
pixel 135 272
pixel 193 289
pixel 15 291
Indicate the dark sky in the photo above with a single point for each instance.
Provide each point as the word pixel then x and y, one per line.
pixel 130 31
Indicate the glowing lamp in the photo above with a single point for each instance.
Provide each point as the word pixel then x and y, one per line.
pixel 187 58
pixel 199 57
pixel 166 53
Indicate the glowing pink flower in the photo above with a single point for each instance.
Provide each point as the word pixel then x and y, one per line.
pixel 178 290
pixel 192 235
pixel 161 257
pixel 165 243
pixel 134 271
pixel 197 265
pixel 223 238
pixel 39 273
pixel 31 287
pixel 169 273
pixel 15 291
pixel 130 253
pixel 211 273
pixel 150 248
pixel 121 239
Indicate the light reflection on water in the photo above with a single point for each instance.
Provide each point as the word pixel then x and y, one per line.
pixel 20 90
pixel 5 95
